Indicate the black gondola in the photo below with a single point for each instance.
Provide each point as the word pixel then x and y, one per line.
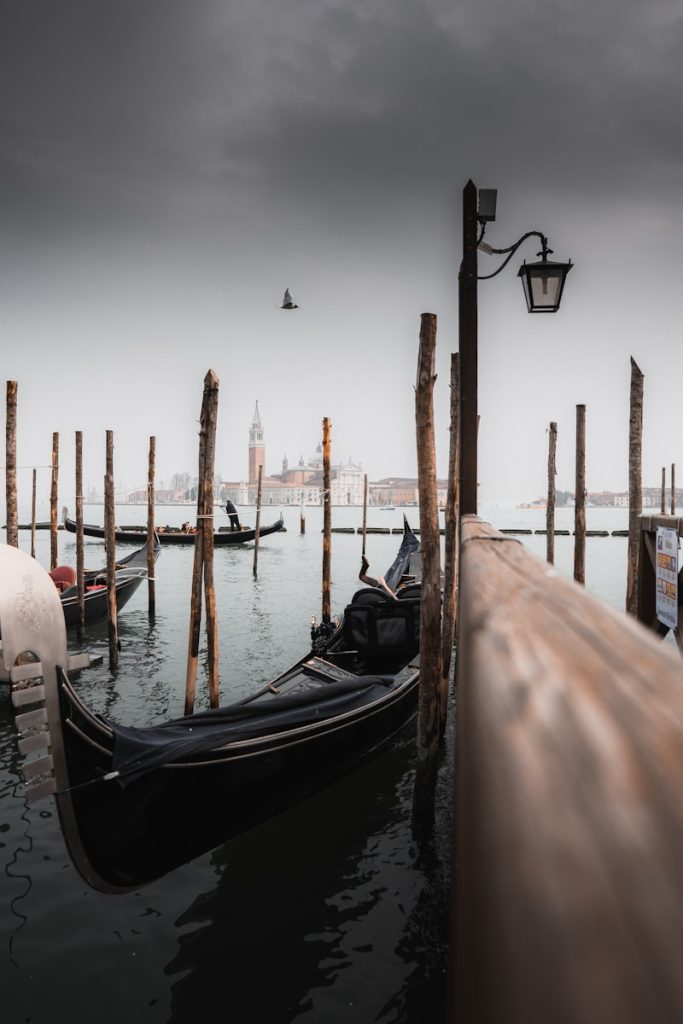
pixel 136 803
pixel 173 534
pixel 130 572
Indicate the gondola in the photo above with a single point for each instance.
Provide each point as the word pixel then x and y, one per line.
pixel 129 573
pixel 173 534
pixel 134 803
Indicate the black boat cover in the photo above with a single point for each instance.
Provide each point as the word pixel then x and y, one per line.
pixel 138 751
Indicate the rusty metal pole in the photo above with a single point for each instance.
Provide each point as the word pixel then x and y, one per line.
pixel 635 486
pixel 468 353
pixel 11 465
pixel 550 507
pixel 327 520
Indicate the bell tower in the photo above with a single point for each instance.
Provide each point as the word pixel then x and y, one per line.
pixel 257 447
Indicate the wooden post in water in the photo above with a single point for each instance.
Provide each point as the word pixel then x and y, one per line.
pixel 365 510
pixel 327 521
pixel 662 500
pixel 635 485
pixel 54 554
pixel 257 531
pixel 33 513
pixel 451 531
pixel 151 590
pixel 430 614
pixel 550 507
pixel 302 516
pixel 11 465
pixel 203 552
pixel 580 497
pixel 110 547
pixel 673 488
pixel 80 557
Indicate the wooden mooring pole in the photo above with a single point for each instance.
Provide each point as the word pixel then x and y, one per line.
pixel 54 478
pixel 451 542
pixel 635 485
pixel 151 588
pixel 80 556
pixel 550 506
pixel 365 510
pixel 569 819
pixel 662 497
pixel 11 465
pixel 257 530
pixel 302 516
pixel 327 520
pixel 430 607
pixel 110 547
pixel 580 497
pixel 33 511
pixel 673 488
pixel 203 552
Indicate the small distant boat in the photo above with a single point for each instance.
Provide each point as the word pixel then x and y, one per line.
pixel 130 572
pixel 387 508
pixel 134 803
pixel 174 534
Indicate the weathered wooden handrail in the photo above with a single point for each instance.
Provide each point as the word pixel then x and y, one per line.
pixel 569 806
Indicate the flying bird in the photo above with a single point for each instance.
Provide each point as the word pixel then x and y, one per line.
pixel 288 302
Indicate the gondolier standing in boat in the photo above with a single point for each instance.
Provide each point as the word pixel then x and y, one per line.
pixel 234 518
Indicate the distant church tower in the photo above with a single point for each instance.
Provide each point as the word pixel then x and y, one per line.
pixel 257 447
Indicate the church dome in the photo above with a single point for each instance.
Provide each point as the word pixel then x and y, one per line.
pixel 316 459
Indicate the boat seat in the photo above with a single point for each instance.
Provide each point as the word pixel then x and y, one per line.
pixel 63 577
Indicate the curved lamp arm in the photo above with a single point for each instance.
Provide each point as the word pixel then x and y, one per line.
pixel 512 249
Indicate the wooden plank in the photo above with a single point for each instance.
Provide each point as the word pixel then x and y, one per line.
pixel 38 741
pixel 38 790
pixel 30 720
pixel 569 814
pixel 33 769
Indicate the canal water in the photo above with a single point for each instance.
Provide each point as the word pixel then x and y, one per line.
pixel 330 911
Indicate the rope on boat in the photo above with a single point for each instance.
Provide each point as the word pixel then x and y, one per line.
pixel 90 782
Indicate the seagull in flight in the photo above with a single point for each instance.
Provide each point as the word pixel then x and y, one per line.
pixel 288 302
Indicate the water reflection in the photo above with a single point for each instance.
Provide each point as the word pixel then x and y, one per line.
pixel 332 888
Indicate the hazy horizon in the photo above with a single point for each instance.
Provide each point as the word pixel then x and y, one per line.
pixel 166 172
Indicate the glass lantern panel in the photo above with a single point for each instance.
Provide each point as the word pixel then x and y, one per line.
pixel 545 288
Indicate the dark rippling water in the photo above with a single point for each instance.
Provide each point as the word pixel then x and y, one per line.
pixel 328 912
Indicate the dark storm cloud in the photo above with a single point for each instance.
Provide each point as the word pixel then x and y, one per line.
pixel 353 107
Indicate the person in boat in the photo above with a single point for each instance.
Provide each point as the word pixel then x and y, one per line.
pixel 370 581
pixel 234 518
pixel 186 528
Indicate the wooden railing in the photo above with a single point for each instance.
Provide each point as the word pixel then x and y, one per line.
pixel 569 801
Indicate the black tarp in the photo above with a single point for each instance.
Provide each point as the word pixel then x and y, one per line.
pixel 138 751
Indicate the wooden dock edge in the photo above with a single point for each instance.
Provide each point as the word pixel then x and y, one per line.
pixel 569 816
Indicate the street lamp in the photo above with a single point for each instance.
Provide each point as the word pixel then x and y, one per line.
pixel 543 283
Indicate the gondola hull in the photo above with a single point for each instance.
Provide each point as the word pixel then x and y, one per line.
pixel 136 803
pixel 130 573
pixel 221 538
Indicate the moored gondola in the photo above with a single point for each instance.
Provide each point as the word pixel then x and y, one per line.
pixel 129 574
pixel 136 802
pixel 174 534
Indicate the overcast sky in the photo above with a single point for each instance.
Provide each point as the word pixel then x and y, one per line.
pixel 168 168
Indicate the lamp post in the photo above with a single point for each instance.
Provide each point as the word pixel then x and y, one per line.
pixel 543 283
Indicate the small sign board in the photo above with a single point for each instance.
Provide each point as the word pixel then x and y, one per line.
pixel 666 573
